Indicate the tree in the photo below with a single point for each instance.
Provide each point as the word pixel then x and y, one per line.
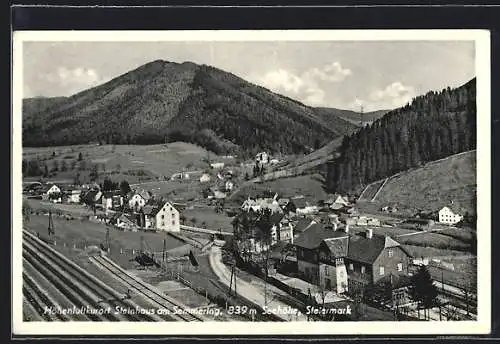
pixel 76 178
pixel 64 166
pixel 109 185
pixel 247 177
pixel 82 166
pixel 26 212
pixel 422 289
pixel 55 165
pixel 45 171
pixel 94 173
pixel 80 156
pixel 125 188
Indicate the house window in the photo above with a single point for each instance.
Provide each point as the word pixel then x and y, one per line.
pixel 351 267
pixel 400 267
pixel 162 217
pixel 390 252
pixel 381 271
pixel 173 222
pixel 163 223
pixel 326 270
pixel 363 269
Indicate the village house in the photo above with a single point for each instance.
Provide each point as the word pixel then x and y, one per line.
pixel 217 165
pixel 112 200
pixel 125 222
pixel 138 199
pixel 51 189
pixel 91 197
pixel 260 204
pixel 337 260
pixel 449 215
pixel 281 230
pixel 164 217
pixel 229 186
pixel 205 178
pixel 73 196
pixel 262 158
pixel 302 206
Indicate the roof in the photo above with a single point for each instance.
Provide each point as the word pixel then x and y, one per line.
pixel 303 224
pixel 366 250
pixel 150 210
pixel 315 234
pixel 144 194
pixel 338 246
pixel 111 193
pixel 336 206
pixel 455 208
pixel 276 217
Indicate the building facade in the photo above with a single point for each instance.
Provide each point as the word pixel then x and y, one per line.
pixel 448 216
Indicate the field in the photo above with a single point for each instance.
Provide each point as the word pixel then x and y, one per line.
pixel 435 240
pixel 308 185
pixel 434 185
pixel 83 231
pixel 136 163
pixel 207 217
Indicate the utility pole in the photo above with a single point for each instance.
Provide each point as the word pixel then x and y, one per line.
pixel 142 244
pixel 361 116
pixel 164 254
pixel 51 224
pixel 107 242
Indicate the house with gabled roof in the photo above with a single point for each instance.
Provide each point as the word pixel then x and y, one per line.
pixel 138 199
pixel 450 215
pixel 331 256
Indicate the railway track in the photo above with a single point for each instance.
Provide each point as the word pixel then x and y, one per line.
pixel 77 286
pixel 39 300
pixel 156 298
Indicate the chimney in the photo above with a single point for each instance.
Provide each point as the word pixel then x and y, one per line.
pixel 369 233
pixel 346 228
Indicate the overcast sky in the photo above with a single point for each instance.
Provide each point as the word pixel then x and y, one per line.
pixel 378 75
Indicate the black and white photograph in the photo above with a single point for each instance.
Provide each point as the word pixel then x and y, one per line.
pixel 291 178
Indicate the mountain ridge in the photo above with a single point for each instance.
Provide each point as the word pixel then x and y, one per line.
pixel 163 101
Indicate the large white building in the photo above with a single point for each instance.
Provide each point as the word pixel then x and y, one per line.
pixel 167 218
pixel 448 216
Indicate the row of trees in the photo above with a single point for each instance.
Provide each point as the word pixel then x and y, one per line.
pixel 35 167
pixel 433 126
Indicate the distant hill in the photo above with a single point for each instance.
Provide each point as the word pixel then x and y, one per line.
pixel 351 116
pixel 165 101
pixel 434 185
pixel 433 126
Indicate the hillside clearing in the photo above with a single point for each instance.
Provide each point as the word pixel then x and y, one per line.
pixel 135 163
pixel 432 186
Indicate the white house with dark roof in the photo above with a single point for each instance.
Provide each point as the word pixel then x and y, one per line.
pixel 167 218
pixel 449 215
pixel 138 199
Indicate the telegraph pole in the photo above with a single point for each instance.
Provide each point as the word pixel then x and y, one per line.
pixel 361 116
pixel 51 224
pixel 164 253
pixel 107 241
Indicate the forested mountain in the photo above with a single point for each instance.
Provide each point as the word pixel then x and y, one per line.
pixel 352 117
pixel 433 126
pixel 165 101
